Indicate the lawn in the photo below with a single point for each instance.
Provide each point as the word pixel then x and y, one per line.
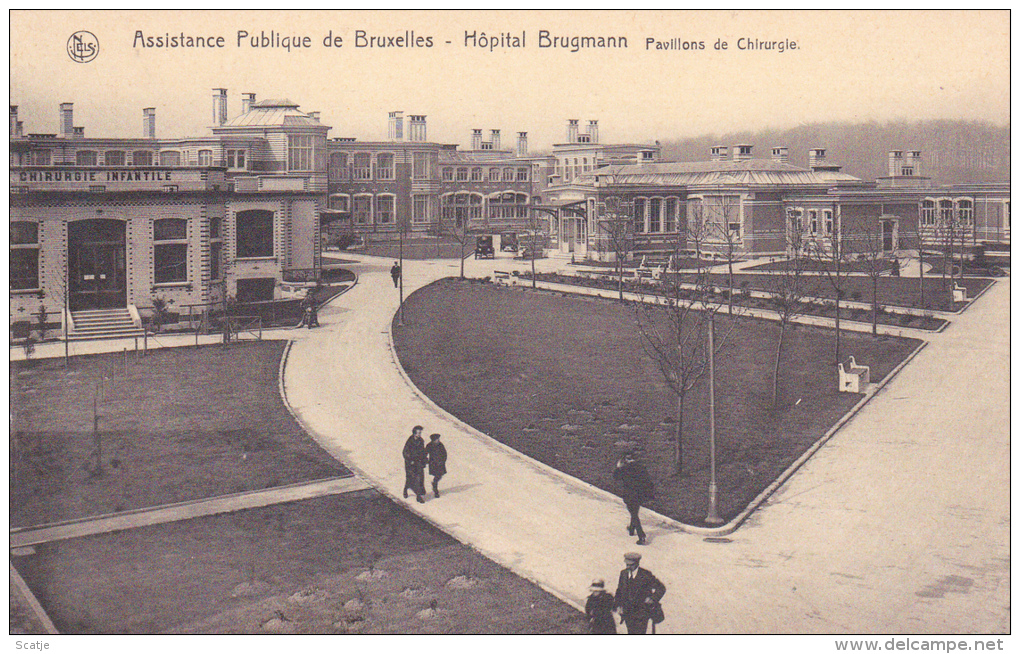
pixel 178 424
pixel 565 379
pixel 355 563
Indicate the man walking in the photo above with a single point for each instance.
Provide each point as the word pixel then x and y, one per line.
pixel 636 489
pixel 436 453
pixel 637 595
pixel 414 464
pixel 395 274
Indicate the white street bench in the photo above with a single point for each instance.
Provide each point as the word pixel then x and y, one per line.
pixel 502 278
pixel 852 377
pixel 959 293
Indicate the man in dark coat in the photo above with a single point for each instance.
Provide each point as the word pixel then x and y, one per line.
pixel 414 464
pixel 436 453
pixel 395 274
pixel 636 489
pixel 637 594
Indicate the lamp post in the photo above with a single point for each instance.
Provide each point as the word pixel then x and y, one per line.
pixel 400 279
pixel 713 512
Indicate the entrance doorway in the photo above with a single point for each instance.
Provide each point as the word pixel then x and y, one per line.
pixel 96 264
pixel 888 236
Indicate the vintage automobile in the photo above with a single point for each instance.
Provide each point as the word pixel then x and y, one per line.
pixel 483 247
pixel 508 242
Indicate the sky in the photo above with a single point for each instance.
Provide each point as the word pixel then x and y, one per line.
pixel 846 66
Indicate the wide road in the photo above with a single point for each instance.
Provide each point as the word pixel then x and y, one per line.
pixel 900 524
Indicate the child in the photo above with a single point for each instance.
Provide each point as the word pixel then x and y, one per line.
pixel 599 609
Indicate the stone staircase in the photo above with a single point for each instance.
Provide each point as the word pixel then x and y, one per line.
pixel 103 323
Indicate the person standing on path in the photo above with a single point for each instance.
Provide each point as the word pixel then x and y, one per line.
pixel 436 454
pixel 395 274
pixel 414 464
pixel 636 489
pixel 637 595
pixel 599 609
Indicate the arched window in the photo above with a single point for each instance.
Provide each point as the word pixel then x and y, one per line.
pixel 459 209
pixel 215 248
pixel 170 158
pixel 946 212
pixel 462 174
pixel 965 212
pixel 363 209
pixel 655 215
pixel 254 233
pixel 639 214
pixel 508 174
pixel 476 174
pixel 338 165
pixel 384 208
pixel 170 250
pixel 494 174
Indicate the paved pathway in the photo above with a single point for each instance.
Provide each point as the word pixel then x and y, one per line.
pixel 185 510
pixel 900 524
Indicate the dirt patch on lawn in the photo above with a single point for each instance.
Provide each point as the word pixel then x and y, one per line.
pixel 178 424
pixel 356 563
pixel 566 381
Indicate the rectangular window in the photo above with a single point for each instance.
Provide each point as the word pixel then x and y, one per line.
pixel 24 268
pixel 300 152
pixel 114 157
pixel 141 158
pixel 41 158
pixel 476 174
pixel 462 174
pixel 216 260
pixel 384 166
pixel 827 217
pixel 655 215
pixel 965 212
pixel 522 174
pixel 494 174
pixel 362 209
pixel 639 215
pixel 384 209
pixel 447 174
pixel 508 174
pixel 171 262
pixel 339 202
pixel 670 211
pixel 236 159
pixel 254 231
pixel 420 165
pixel 171 229
pixel 338 165
pixel 85 158
pixel 813 221
pixel 421 209
pixel 205 157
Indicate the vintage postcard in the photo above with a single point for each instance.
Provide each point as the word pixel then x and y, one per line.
pixel 511 322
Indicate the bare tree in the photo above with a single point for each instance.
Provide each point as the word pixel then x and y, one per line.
pixel 836 263
pixel 719 220
pixel 786 289
pixel 615 236
pixel 538 226
pixel 458 226
pixel 868 244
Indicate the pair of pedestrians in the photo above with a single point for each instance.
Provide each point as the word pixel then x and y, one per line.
pixel 418 455
pixel 637 600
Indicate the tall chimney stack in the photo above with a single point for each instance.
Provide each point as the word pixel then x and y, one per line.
pixel 395 131
pixel 67 120
pixel 247 102
pixel 781 154
pixel 14 120
pixel 219 107
pixel 572 130
pixel 914 160
pixel 495 139
pixel 816 157
pixel 416 131
pixel 895 162
pixel 522 144
pixel 149 123
pixel 593 131
pixel 476 139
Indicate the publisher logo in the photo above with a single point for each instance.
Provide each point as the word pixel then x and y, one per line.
pixel 83 46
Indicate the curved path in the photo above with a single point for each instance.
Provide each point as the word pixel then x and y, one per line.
pixel 899 524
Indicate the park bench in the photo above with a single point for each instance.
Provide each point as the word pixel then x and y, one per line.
pixel 502 278
pixel 959 293
pixel 644 275
pixel 852 377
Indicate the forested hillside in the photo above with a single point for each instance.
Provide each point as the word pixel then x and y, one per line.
pixel 953 151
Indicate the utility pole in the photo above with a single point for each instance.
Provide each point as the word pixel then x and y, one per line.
pixel 713 512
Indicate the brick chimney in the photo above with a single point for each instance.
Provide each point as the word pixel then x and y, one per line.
pixel 914 161
pixel 395 130
pixel 219 107
pixel 495 139
pixel 14 120
pixel 816 158
pixel 476 139
pixel 781 154
pixel 67 120
pixel 572 130
pixel 720 153
pixel 742 152
pixel 149 123
pixel 247 102
pixel 522 144
pixel 593 131
pixel 416 130
pixel 895 162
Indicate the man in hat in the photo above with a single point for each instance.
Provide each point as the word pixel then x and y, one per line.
pixel 414 464
pixel 435 452
pixel 395 274
pixel 637 595
pixel 636 489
